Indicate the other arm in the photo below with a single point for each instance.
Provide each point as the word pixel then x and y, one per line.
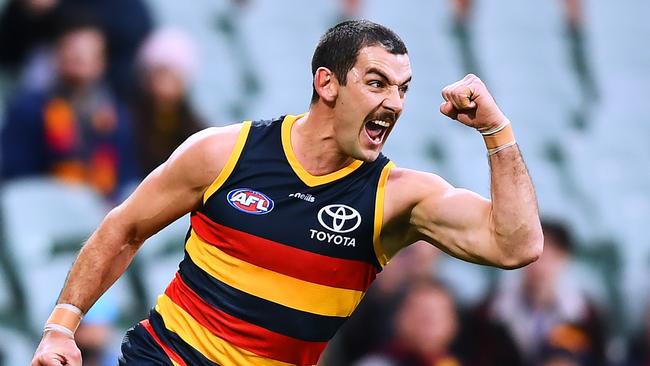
pixel 504 231
pixel 170 191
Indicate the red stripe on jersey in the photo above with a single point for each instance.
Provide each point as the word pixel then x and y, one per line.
pixel 242 334
pixel 284 259
pixel 168 351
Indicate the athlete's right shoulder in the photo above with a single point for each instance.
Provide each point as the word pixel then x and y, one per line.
pixel 211 142
pixel 204 154
pixel 216 135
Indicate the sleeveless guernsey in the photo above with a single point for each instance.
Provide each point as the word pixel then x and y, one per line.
pixel 275 260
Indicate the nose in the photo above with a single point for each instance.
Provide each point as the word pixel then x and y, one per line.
pixel 394 100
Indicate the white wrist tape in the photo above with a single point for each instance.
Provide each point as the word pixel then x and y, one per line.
pixel 498 138
pixel 65 318
pixel 502 147
pixel 496 129
pixel 70 307
pixel 58 328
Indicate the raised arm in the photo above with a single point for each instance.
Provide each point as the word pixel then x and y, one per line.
pixel 172 190
pixel 504 231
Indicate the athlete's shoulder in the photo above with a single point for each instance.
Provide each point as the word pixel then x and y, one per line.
pixel 415 179
pixel 218 139
pixel 405 188
pixel 204 154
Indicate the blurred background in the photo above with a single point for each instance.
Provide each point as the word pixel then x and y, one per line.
pixel 96 93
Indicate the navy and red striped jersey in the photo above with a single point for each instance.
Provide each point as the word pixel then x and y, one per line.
pixel 276 259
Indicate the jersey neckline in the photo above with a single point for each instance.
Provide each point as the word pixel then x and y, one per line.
pixel 306 177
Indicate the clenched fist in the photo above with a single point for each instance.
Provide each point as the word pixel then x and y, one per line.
pixel 469 102
pixel 57 349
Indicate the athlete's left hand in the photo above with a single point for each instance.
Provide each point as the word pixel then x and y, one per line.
pixel 469 102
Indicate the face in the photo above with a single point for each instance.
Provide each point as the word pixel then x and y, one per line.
pixel 541 278
pixel 80 57
pixel 165 85
pixel 427 321
pixel 550 265
pixel 368 106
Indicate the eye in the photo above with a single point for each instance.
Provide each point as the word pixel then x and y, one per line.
pixel 376 84
pixel 402 90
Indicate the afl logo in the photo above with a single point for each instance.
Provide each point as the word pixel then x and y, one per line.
pixel 339 218
pixel 250 201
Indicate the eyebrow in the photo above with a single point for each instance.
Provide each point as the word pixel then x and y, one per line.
pixel 374 70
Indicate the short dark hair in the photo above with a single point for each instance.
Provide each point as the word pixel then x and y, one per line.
pixel 74 19
pixel 338 48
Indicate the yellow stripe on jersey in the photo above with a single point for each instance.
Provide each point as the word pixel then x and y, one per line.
pixel 201 339
pixel 302 173
pixel 276 287
pixel 232 160
pixel 379 214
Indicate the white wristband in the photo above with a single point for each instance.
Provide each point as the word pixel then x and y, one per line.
pixel 58 328
pixel 496 129
pixel 502 147
pixel 70 307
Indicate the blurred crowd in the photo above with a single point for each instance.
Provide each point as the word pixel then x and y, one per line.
pixel 97 95
pixel 100 96
pixel 536 316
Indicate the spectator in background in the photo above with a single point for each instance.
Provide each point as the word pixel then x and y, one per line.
pixel 544 311
pixel 426 325
pixel 370 327
pixel 164 118
pixel 569 345
pixel 126 24
pixel 26 28
pixel 74 130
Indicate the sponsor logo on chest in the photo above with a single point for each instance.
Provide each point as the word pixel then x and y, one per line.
pixel 302 196
pixel 250 201
pixel 337 219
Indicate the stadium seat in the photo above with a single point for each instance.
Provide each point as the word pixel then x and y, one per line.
pixel 44 223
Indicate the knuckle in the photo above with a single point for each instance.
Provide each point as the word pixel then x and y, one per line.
pixel 39 360
pixel 75 355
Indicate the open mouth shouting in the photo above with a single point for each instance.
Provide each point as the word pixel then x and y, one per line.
pixel 377 127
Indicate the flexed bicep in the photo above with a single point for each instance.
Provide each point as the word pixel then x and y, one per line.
pixel 458 222
pixel 423 206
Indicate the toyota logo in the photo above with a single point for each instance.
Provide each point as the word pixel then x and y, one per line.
pixel 339 218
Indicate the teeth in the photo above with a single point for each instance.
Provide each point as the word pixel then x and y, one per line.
pixel 381 123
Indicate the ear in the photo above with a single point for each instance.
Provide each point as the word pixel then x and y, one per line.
pixel 326 84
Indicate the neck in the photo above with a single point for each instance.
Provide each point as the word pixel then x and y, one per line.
pixel 313 142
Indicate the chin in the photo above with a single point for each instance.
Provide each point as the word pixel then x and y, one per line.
pixel 368 156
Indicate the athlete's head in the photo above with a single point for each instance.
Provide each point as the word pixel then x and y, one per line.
pixel 361 72
pixel 339 47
